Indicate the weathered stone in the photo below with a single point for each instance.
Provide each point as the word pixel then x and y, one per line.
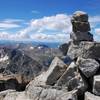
pixel 72 79
pixel 90 96
pixel 80 26
pixel 55 71
pixel 84 49
pixel 96 85
pixel 81 36
pixel 80 22
pixel 88 66
pixel 42 93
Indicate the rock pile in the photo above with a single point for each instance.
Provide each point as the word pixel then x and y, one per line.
pixel 78 79
pixel 81 27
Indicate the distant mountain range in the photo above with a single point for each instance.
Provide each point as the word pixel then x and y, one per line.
pixel 34 43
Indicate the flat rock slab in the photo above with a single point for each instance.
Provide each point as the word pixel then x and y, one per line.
pixel 88 66
pixel 96 85
pixel 90 96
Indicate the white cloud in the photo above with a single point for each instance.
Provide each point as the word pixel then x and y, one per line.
pixel 94 19
pixel 51 28
pixel 17 36
pixel 50 38
pixel 97 31
pixel 10 23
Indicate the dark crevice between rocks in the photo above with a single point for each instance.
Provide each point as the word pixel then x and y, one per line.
pixel 12 84
pixel 81 96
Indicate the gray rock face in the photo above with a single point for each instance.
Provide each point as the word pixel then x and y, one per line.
pixel 88 66
pixel 96 85
pixel 42 93
pixel 81 36
pixel 84 49
pixel 72 79
pixel 55 71
pixel 89 96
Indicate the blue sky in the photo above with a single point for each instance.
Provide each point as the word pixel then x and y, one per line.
pixel 44 20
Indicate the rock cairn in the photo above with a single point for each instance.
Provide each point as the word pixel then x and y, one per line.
pixel 81 27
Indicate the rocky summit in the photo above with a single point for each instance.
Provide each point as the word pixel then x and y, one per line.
pixel 74 75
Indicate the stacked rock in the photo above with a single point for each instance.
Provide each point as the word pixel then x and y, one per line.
pixel 81 27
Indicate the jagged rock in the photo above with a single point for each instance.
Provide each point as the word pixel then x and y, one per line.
pixel 88 66
pixel 96 85
pixel 90 96
pixel 54 72
pixel 72 79
pixel 84 49
pixel 80 22
pixel 42 93
pixel 64 48
pixel 81 36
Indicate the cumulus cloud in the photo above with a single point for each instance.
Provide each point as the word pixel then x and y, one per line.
pixel 51 28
